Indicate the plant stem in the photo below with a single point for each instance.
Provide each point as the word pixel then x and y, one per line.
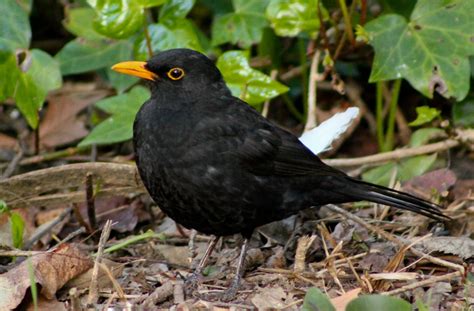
pixel 304 76
pixel 148 41
pixel 291 107
pixel 347 21
pixel 379 114
pixel 392 114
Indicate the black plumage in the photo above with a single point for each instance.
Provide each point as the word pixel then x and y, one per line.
pixel 213 163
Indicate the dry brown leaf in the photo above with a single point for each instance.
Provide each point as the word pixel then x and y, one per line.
pixel 83 281
pixel 47 305
pixel 342 301
pixel 7 142
pixel 60 124
pixel 460 246
pixel 51 270
pixel 270 298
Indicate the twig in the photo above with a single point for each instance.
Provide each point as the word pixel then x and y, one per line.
pixel 312 82
pixel 353 92
pixel 394 155
pixel 19 253
pixel 395 239
pixel 90 201
pixel 46 228
pixel 12 165
pixel 94 287
pixel 304 243
pixel 431 280
pixel 160 294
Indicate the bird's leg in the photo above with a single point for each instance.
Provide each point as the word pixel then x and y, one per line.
pixel 192 281
pixel 230 293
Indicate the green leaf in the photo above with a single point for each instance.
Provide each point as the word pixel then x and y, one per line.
pixel 79 21
pixel 118 19
pixel 290 18
pixel 405 169
pixel 151 3
pixel 402 7
pixel 29 82
pixel 244 26
pixel 463 112
pixel 316 300
pixel 17 229
pixel 183 34
pixel 239 76
pixel 119 81
pixel 425 114
pixel 430 50
pixel 119 126
pixel 3 207
pixel 424 135
pixel 175 10
pixel 14 24
pixel 82 55
pixel 377 303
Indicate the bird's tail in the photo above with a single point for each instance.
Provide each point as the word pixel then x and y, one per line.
pixel 378 194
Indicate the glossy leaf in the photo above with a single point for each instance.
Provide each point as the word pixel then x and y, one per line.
pixel 82 55
pixel 377 303
pixel 14 24
pixel 425 114
pixel 29 82
pixel 118 19
pixel 423 136
pixel 174 11
pixel 290 18
pixel 183 34
pixel 240 77
pixel 150 3
pixel 430 50
pixel 119 126
pixel 244 26
pixel 463 112
pixel 316 300
pixel 79 21
pixel 405 170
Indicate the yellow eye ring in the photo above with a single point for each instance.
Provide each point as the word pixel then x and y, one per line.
pixel 175 73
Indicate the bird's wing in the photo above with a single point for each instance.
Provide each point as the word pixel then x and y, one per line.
pixel 268 150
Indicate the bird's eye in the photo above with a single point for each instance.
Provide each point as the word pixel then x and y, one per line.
pixel 176 73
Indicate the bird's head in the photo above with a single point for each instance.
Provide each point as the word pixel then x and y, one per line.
pixel 177 71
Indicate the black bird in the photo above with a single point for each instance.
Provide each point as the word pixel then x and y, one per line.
pixel 213 163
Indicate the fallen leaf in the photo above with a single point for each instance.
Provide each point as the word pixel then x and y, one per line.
pixel 83 281
pixel 7 142
pixel 60 124
pixel 51 270
pixel 460 246
pixel 47 305
pixel 439 180
pixel 270 298
pixel 342 301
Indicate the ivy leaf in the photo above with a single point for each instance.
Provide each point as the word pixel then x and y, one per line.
pixel 79 21
pixel 239 76
pixel 119 126
pixel 29 82
pixel 316 300
pixel 14 24
pixel 463 112
pixel 424 135
pixel 425 114
pixel 290 18
pixel 118 19
pixel 183 34
pixel 84 55
pixel 175 10
pixel 430 50
pixel 405 169
pixel 244 26
pixel 151 3
pixel 378 302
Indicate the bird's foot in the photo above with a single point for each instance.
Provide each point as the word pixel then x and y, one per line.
pixel 191 284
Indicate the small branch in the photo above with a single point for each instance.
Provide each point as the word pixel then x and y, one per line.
pixel 266 104
pixel 148 41
pixel 312 83
pixel 94 286
pixel 353 93
pixel 394 155
pixel 12 165
pixel 431 280
pixel 388 145
pixel 90 201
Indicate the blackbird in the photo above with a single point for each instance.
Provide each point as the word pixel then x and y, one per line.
pixel 212 163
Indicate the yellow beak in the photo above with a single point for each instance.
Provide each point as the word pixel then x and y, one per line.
pixel 137 69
